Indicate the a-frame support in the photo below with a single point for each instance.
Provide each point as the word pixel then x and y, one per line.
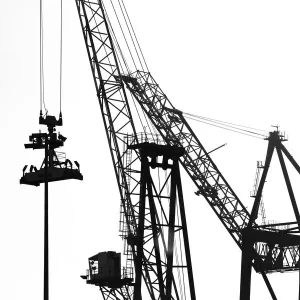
pixel 161 223
pixel 269 235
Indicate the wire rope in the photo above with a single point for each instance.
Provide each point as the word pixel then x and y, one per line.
pixel 126 65
pixel 121 58
pixel 120 62
pixel 148 124
pixel 132 40
pixel 114 40
pixel 229 126
pixel 42 78
pixel 262 136
pixel 222 122
pixel 61 49
pixel 123 34
pixel 135 36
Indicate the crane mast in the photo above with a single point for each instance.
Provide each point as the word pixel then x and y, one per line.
pixel 121 135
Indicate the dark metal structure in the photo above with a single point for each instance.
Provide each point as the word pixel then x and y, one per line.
pixel 173 131
pixel 278 243
pixel 55 167
pixel 157 225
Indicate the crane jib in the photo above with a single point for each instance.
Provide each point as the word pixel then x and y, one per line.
pixel 209 181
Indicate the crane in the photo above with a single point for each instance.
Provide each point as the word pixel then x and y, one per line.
pixel 171 129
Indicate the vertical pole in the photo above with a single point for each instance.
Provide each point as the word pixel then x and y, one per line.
pixel 46 237
pixel 246 268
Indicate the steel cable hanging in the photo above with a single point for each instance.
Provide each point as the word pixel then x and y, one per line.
pixel 116 43
pixel 138 44
pixel 42 81
pixel 124 17
pixel 61 49
pixel 123 35
pixel 216 123
pixel 42 72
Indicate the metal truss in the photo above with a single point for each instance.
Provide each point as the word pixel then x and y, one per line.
pixel 116 293
pixel 175 131
pixel 121 133
pixel 208 179
pixel 113 103
pixel 162 240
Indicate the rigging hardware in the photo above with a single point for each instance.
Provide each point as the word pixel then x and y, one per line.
pixel 52 169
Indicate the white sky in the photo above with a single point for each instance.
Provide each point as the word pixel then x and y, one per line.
pixel 236 61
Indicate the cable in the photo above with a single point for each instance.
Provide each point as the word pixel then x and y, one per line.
pixel 116 42
pixel 123 59
pixel 42 83
pixel 61 46
pixel 223 123
pixel 226 128
pixel 230 126
pixel 130 35
pixel 119 56
pixel 135 37
pixel 218 121
pixel 139 116
pixel 41 91
pixel 123 34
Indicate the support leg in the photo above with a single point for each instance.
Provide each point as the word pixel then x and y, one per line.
pixel 246 270
pixel 46 233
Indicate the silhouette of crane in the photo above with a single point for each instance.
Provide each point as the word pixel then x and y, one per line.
pixel 146 218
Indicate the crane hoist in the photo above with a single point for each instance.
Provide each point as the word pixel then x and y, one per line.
pixel 154 253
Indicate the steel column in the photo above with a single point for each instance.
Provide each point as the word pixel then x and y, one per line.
pixel 46 228
pixel 289 185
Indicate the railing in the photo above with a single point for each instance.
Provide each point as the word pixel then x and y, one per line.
pixel 127 272
pixel 145 137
